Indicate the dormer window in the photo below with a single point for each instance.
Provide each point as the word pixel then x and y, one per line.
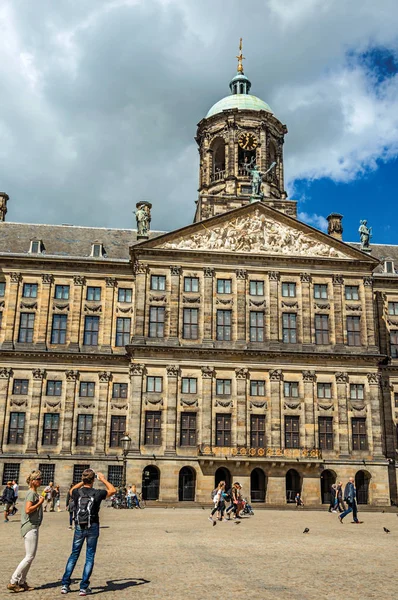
pixel 389 266
pixel 98 250
pixel 36 247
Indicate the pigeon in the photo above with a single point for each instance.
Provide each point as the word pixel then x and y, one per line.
pixel 238 522
pixel 383 511
pixel 306 530
pixel 386 530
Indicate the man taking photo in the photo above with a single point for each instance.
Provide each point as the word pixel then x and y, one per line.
pixel 87 502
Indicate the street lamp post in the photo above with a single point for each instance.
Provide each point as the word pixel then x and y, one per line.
pixel 125 443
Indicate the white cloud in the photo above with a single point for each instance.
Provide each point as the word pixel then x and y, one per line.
pixel 315 220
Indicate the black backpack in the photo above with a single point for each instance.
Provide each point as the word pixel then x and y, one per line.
pixel 84 507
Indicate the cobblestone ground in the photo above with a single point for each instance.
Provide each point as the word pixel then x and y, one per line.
pixel 176 553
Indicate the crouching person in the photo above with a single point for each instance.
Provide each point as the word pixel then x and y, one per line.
pixel 87 502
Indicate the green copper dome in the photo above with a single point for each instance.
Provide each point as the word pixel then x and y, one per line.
pixel 239 101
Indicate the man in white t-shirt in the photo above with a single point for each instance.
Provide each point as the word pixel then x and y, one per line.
pixel 16 489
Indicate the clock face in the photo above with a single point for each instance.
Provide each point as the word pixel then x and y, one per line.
pixel 247 141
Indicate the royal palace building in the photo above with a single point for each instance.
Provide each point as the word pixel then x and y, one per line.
pixel 246 346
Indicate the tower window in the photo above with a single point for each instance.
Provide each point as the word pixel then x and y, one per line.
pixel 218 148
pixel 98 250
pixel 36 247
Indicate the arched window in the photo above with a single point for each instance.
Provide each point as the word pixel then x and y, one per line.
pixel 150 483
pixel 186 484
pixel 328 478
pixel 362 479
pixel 258 485
pixel 293 485
pixel 218 147
pixel 222 474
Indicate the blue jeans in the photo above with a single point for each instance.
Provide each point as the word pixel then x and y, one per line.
pixel 352 507
pixel 91 535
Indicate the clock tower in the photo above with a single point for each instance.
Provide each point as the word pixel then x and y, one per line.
pixel 238 132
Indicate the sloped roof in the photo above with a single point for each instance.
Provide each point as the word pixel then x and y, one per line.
pixel 381 252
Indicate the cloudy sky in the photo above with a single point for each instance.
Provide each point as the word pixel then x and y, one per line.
pixel 100 99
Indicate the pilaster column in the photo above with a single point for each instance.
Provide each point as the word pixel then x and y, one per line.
pixel 241 275
pixel 77 305
pixel 14 282
pixel 274 305
pixel 207 405
pixel 105 379
pixel 309 379
pixel 369 311
pixel 375 401
pixel 137 372
pixel 263 147
pixel 108 320
pixel 241 402
pixel 387 419
pixel 5 376
pixel 72 378
pixel 171 412
pixel 44 311
pixel 306 305
pixel 338 282
pixel 35 406
pixel 276 378
pixel 174 303
pixel 141 271
pixel 341 381
pixel 208 305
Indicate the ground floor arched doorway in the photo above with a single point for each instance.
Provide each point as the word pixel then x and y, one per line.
pixel 150 483
pixel 293 485
pixel 328 478
pixel 362 480
pixel 222 474
pixel 186 484
pixel 257 485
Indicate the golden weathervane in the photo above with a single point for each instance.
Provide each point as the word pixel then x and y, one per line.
pixel 240 57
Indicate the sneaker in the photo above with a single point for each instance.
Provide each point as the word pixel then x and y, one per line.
pixel 211 519
pixel 27 587
pixel 70 527
pixel 15 587
pixel 340 519
pixel 85 592
pixel 65 589
pixel 6 521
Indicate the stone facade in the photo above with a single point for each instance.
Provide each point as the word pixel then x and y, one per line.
pixel 246 346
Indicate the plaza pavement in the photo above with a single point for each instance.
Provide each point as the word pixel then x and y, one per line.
pixel 176 554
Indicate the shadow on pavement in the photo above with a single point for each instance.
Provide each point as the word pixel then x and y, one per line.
pixel 113 585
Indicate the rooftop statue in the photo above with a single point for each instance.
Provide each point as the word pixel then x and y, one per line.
pixel 256 177
pixel 143 217
pixel 365 233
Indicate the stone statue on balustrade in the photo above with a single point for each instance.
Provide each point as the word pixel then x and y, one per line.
pixel 365 234
pixel 143 218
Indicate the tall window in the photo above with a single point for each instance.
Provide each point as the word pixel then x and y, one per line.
pixel 191 284
pixel 87 389
pixel 320 291
pixel 54 388
pixel 158 283
pixel 190 324
pixel 189 385
pixel 2 289
pixel 223 387
pixel 156 321
pixel 224 286
pixel 84 430
pixel 292 432
pixel 58 330
pixel 256 326
pixel 351 292
pixel 359 437
pixel 325 431
pixel 393 308
pixel 61 292
pixel 288 289
pixel 123 327
pixel 289 328
pixel 188 429
pixel 91 328
pixel 356 391
pixel 78 472
pixel 257 288
pixel 257 388
pixel 16 428
pixel 152 428
pixel 50 429
pixel 124 295
pixel 47 472
pixel 321 329
pixel 26 327
pixel 115 475
pixel 118 427
pixel 224 319
pixel 324 390
pixel 154 384
pixel 20 387
pixel 394 343
pixel 93 293
pixel 119 390
pixel 223 430
pixel 354 331
pixel 29 290
pixel 291 389
pixel 257 431
pixel 10 472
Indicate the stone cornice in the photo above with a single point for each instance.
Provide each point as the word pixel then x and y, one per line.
pixel 63 357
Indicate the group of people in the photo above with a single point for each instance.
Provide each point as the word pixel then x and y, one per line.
pixel 338 500
pixel 220 498
pixel 83 503
pixel 9 499
pixel 52 496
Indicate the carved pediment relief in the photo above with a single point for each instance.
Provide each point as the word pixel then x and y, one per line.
pixel 321 306
pixel 58 306
pixel 357 407
pixel 224 403
pixel 193 300
pixel 31 305
pixel 54 404
pixel 96 308
pixel 192 403
pixel 257 303
pixel 85 404
pixel 325 406
pixel 19 403
pixel 120 405
pixel 154 402
pixel 162 298
pixel 291 405
pixel 258 404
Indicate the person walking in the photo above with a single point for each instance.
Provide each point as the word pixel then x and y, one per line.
pixel 87 502
pixel 234 499
pixel 16 490
pixel 340 502
pixel 333 498
pixel 350 498
pixel 31 518
pixel 69 506
pixel 48 495
pixel 219 503
pixel 57 498
pixel 8 499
